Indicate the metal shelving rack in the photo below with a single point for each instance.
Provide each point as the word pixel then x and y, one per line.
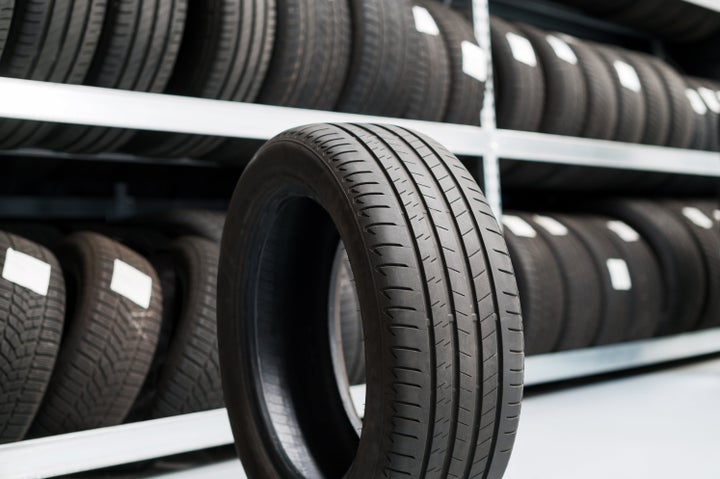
pixel 30 100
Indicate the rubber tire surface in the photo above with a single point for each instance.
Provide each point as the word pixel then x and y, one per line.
pixel 224 55
pixel 541 290
pixel 616 305
pixel 49 40
pixel 565 105
pixel 190 377
pixel 580 284
pixel 519 88
pixel 6 13
pixel 681 113
pixel 433 279
pixel 466 93
pixel 30 331
pixel 383 58
pixel 311 54
pixel 108 342
pixel 704 137
pixel 137 49
pixel 680 259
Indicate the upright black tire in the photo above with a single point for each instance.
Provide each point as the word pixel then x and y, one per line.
pixel 681 262
pixel 190 376
pixel 440 311
pixel 6 13
pixel 109 338
pixel 466 93
pixel 540 284
pixel 137 49
pixel 519 85
pixel 580 283
pixel 383 58
pixel 708 91
pixel 310 55
pixel 32 311
pixel 702 118
pixel 682 132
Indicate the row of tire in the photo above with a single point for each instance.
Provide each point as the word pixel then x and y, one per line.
pixel 554 83
pixel 93 333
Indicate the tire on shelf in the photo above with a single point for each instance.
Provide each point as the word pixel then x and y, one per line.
pixel 616 302
pixel 681 262
pixel 708 91
pixel 433 278
pixel 632 111
pixel 682 132
pixel 111 332
pixel 702 118
pixel 519 82
pixel 224 55
pixel 430 83
pixel 540 284
pixel 137 49
pixel 190 377
pixel 49 40
pixel 32 311
pixel 466 93
pixel 580 282
pixel 383 58
pixel 6 13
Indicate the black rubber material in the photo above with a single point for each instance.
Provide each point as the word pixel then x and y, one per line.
pixel 647 289
pixel 632 111
pixel 108 342
pixel 708 89
pixel 681 262
pixel 702 118
pixel 565 106
pixel 580 284
pixel 224 55
pixel 466 93
pixel 681 113
pixel 708 241
pixel 6 13
pixel 190 376
pixel 430 86
pixel 657 118
pixel 616 305
pixel 383 58
pixel 138 46
pixel 439 305
pixel 49 40
pixel 310 56
pixel 204 223
pixel 541 289
pixel 519 87
pixel 31 326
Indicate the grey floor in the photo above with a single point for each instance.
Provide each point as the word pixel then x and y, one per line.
pixel 660 425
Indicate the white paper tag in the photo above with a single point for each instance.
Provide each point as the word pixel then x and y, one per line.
pixel 697 217
pixel 711 100
pixel 619 274
pixel 424 22
pixel 27 271
pixel 519 226
pixel 716 214
pixel 562 49
pixel 474 61
pixel 696 102
pixel 521 49
pixel 627 75
pixel 551 225
pixel 131 283
pixel 623 230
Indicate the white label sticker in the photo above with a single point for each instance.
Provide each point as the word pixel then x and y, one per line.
pixel 716 214
pixel 697 217
pixel 424 22
pixel 623 230
pixel 27 271
pixel 474 61
pixel 711 100
pixel 696 102
pixel 619 274
pixel 627 75
pixel 131 283
pixel 562 49
pixel 522 49
pixel 551 225
pixel 519 226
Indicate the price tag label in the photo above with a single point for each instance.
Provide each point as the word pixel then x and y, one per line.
pixel 551 225
pixel 132 283
pixel 474 61
pixel 623 230
pixel 424 22
pixel 562 49
pixel 710 98
pixel 627 75
pixel 519 226
pixel 697 217
pixel 522 49
pixel 698 105
pixel 27 271
pixel 619 274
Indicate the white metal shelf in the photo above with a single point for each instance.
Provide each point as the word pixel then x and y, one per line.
pixel 32 100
